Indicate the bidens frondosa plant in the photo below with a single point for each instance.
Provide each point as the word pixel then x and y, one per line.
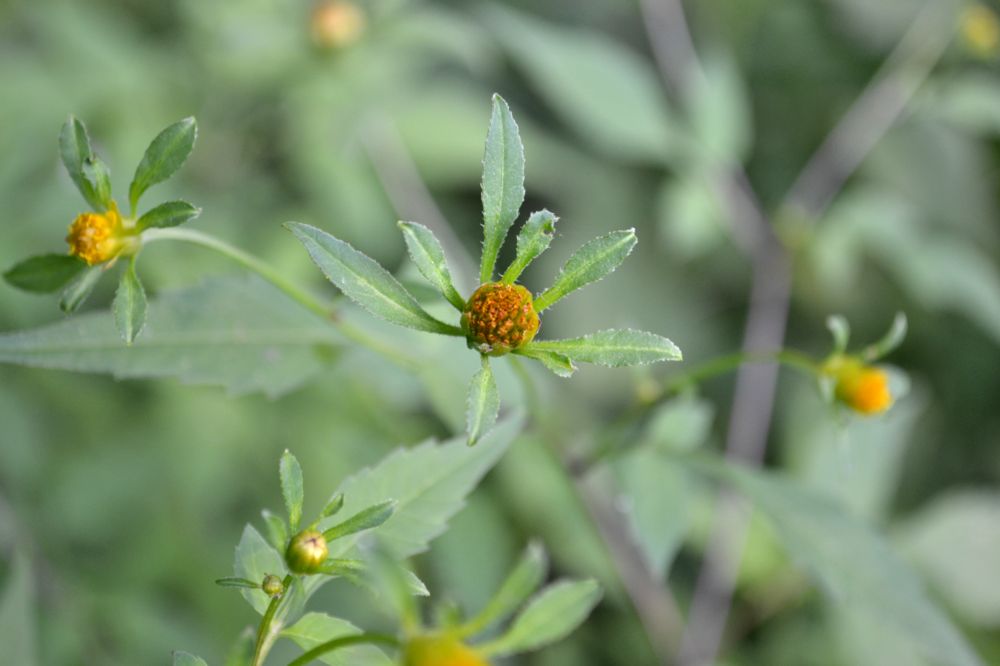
pixel 853 380
pixel 501 317
pixel 99 237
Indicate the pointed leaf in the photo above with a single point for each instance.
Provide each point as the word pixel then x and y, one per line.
pixel 333 507
pixel 168 214
pixel 533 239
pixel 428 255
pixel 363 520
pixel 44 273
pixel 255 558
pixel 483 403
pixel 519 585
pixel 187 659
pixel 99 176
pixel 841 332
pixel 590 263
pixel 892 339
pixel 316 628
pixel 277 530
pixel 233 581
pixel 613 347
pixel 549 617
pixel 77 291
pixel 557 363
pixel 365 282
pixel 503 183
pixel 163 157
pixel 130 304
pixel 75 150
pixel 290 473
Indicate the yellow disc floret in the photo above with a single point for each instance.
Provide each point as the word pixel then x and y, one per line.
pixel 499 318
pixel 97 237
pixel 306 552
pixel 863 388
pixel 440 650
pixel 980 28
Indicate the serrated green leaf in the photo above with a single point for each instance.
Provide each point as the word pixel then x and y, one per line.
pixel 316 628
pixel 550 616
pixel 613 347
pixel 164 156
pixel 483 403
pixel 428 255
pixel 532 240
pixel 75 150
pixel 99 177
pixel 79 289
pixel 557 363
pixel 168 214
pixel 255 558
pixel 44 273
pixel 290 473
pixel 18 622
pixel 503 183
pixel 519 585
pixel 363 520
pixel 852 563
pixel 129 306
pixel 365 282
pixel 277 530
pixel 188 659
pixel 592 262
pixel 841 332
pixel 241 333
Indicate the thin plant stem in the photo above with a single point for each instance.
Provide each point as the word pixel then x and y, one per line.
pixel 264 634
pixel 292 290
pixel 344 641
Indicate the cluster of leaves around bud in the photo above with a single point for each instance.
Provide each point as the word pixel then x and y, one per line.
pixel 99 237
pixel 501 317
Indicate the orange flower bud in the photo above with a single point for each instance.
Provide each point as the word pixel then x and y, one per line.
pixel 863 388
pixel 499 318
pixel 336 24
pixel 440 650
pixel 97 237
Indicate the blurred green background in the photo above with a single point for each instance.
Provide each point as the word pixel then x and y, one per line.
pixel 128 497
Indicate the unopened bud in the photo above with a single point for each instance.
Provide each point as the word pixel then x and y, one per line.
pixel 307 552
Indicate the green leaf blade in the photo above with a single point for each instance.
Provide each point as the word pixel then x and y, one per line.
pixel 313 629
pixel 502 185
pixel 44 273
pixel 99 177
pixel 613 348
pixel 187 659
pixel 164 156
pixel 168 214
pixel 365 282
pixel 483 403
pixel 549 617
pixel 519 585
pixel 79 289
pixel 130 304
pixel 292 490
pixel 366 519
pixel 75 151
pixel 255 558
pixel 592 262
pixel 426 252
pixel 533 239
pixel 559 364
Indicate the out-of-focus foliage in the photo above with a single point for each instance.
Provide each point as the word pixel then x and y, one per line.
pixel 121 501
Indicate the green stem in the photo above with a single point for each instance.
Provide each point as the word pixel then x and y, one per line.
pixel 264 633
pixel 297 294
pixel 344 641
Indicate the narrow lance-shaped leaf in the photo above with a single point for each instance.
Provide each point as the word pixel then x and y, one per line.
pixel 332 507
pixel 533 239
pixel 522 581
pixel 841 332
pixel 365 282
pixel 79 289
pixel 365 519
pixel 163 157
pixel 555 362
pixel 234 581
pixel 44 273
pixel 503 183
pixel 613 347
pixel 75 150
pixel 292 491
pixel 169 214
pixel 549 617
pixel 590 263
pixel 99 176
pixel 892 339
pixel 130 304
pixel 428 255
pixel 277 530
pixel 483 403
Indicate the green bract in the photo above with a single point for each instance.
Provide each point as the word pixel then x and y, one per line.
pixel 499 320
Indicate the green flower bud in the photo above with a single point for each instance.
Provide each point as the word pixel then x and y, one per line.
pixel 499 318
pixel 272 586
pixel 307 552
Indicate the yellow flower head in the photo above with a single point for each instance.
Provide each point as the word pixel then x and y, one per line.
pixel 500 318
pixel 980 29
pixel 440 650
pixel 97 237
pixel 336 24
pixel 863 388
